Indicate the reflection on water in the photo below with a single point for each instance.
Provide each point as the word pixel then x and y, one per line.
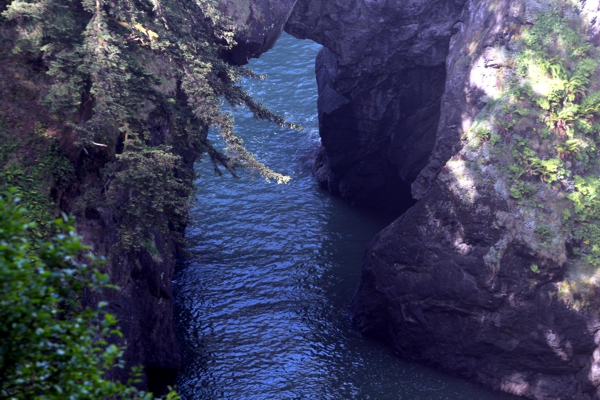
pixel 262 301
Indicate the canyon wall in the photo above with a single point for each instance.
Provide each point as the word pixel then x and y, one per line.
pixel 143 303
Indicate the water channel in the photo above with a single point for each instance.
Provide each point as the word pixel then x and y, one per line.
pixel 261 301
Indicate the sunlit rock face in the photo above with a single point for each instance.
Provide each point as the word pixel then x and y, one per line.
pixel 381 77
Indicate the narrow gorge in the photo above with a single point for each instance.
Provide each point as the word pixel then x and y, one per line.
pixel 439 236
pixel 262 301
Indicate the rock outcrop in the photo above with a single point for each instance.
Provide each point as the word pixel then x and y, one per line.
pixel 259 22
pixel 478 278
pixel 381 77
pixel 426 290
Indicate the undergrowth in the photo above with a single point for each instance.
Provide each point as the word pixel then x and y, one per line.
pixel 544 130
pixel 34 166
pixel 556 67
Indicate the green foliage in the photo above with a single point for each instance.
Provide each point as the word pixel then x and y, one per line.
pixel 544 232
pixel 51 348
pixel 139 77
pixel 495 139
pixel 482 132
pixel 587 215
pixel 541 132
pixel 143 187
pixel 547 170
pixel 521 190
pixel 547 125
pixel 535 269
pixel 33 166
pixel 566 215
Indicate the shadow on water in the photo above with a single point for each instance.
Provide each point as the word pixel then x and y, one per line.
pixel 261 303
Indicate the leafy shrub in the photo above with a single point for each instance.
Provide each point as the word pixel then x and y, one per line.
pixel 51 347
pixel 556 67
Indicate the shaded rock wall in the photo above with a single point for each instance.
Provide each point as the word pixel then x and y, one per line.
pixel 381 76
pixel 261 23
pixel 450 282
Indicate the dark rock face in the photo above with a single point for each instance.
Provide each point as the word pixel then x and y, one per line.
pixel 425 290
pixel 143 305
pixel 381 78
pixel 476 30
pixel 450 283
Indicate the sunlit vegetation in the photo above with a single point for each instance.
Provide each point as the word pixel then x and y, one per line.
pixel 541 135
pixel 50 346
pixel 555 69
pixel 136 83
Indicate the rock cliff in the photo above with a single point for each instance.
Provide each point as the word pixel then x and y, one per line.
pixel 483 277
pixel 143 303
pixel 381 77
pixel 470 104
pixel 426 290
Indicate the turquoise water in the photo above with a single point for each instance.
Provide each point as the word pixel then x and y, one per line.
pixel 261 302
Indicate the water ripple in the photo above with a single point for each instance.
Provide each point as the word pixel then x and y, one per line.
pixel 261 303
